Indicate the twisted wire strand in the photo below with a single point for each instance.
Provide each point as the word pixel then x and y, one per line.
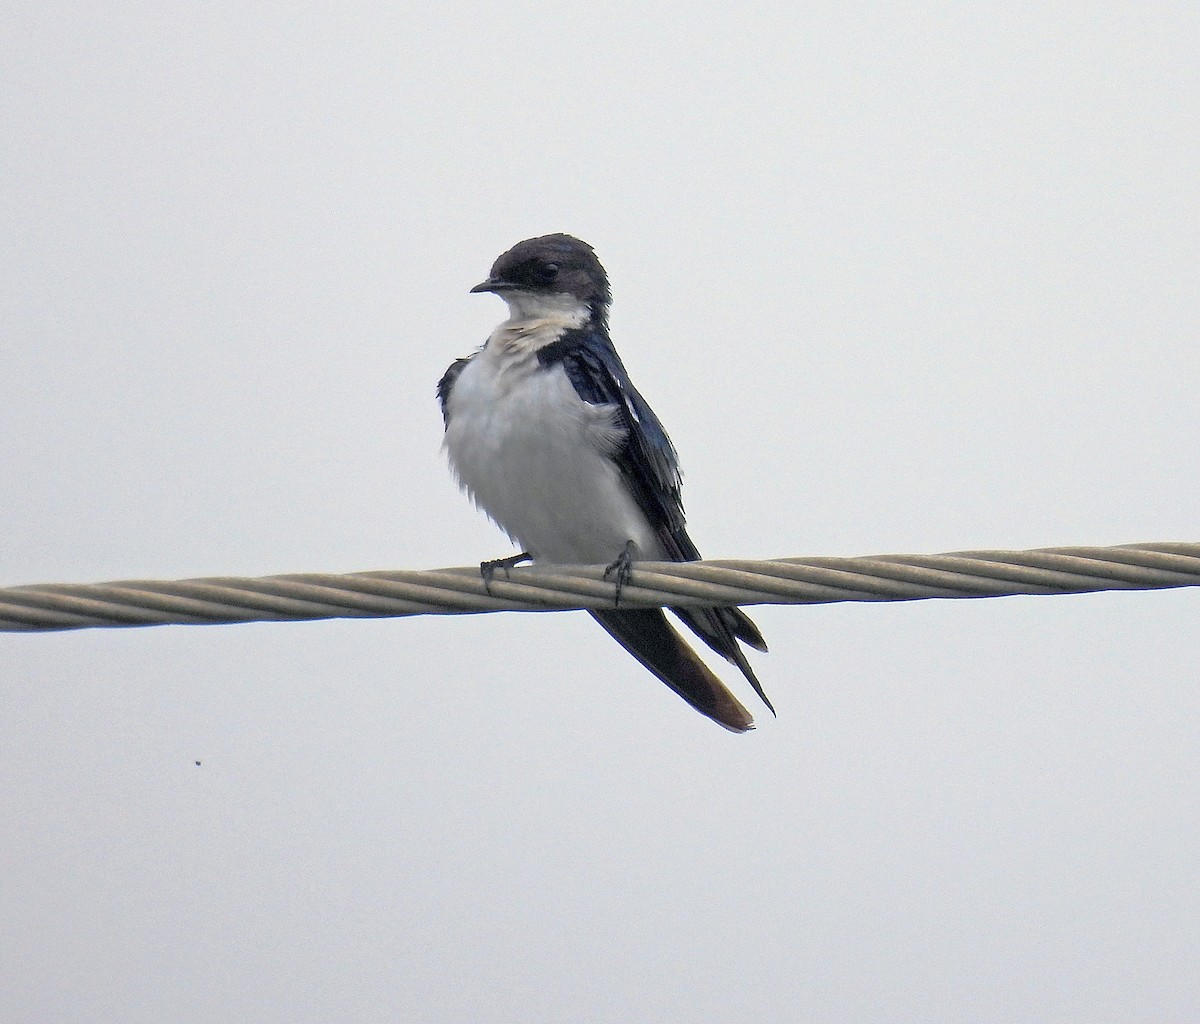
pixel 819 580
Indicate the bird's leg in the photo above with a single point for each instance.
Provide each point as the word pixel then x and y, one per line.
pixel 621 569
pixel 488 569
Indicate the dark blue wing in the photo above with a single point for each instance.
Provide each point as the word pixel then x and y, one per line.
pixel 647 459
pixel 446 384
pixel 650 467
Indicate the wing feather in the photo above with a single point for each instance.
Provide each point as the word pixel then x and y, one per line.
pixel 649 465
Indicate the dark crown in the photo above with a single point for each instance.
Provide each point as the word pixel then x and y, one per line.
pixel 553 263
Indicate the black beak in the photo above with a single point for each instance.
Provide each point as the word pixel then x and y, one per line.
pixel 495 284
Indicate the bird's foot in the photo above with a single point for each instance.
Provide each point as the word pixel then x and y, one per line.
pixel 488 569
pixel 621 569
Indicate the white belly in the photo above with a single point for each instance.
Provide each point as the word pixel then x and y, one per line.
pixel 533 456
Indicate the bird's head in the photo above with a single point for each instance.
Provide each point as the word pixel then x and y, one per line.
pixel 552 272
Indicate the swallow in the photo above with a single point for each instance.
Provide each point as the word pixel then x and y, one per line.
pixel 547 434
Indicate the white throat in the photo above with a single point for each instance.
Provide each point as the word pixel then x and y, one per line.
pixel 556 307
pixel 534 321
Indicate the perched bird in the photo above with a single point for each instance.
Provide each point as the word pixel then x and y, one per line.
pixel 546 433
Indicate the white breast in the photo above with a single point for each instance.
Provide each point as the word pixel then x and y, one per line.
pixel 535 457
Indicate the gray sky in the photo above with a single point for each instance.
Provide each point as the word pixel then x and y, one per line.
pixel 912 281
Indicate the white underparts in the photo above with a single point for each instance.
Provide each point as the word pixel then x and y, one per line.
pixel 533 454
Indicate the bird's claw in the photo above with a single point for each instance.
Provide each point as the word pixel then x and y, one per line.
pixel 488 569
pixel 621 569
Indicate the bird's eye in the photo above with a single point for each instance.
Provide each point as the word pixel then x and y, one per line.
pixel 547 272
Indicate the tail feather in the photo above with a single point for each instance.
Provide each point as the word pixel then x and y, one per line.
pixel 744 629
pixel 721 628
pixel 648 636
